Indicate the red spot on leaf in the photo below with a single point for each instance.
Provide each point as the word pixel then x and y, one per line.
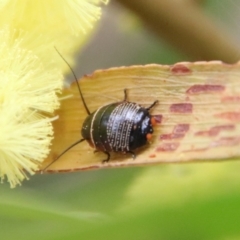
pixel 206 88
pixel 158 118
pixel 202 133
pixel 166 136
pixel 196 150
pixel 214 131
pixel 152 155
pixel 181 108
pixel 179 131
pixel 168 147
pixel 231 99
pixel 226 141
pixel 180 69
pixel 232 116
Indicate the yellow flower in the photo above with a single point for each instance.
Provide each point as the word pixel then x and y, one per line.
pixel 31 75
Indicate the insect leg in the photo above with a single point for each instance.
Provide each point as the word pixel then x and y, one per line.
pixel 108 157
pixel 152 105
pixel 125 95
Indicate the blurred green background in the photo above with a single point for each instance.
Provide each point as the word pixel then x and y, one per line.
pixel 168 201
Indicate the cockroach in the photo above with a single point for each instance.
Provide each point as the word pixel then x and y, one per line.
pixel 117 127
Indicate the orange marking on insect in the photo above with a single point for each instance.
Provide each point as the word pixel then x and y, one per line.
pixel 149 136
pixel 153 121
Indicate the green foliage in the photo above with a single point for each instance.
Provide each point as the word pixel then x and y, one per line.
pixel 184 201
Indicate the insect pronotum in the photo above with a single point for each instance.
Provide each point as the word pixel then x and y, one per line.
pixel 117 127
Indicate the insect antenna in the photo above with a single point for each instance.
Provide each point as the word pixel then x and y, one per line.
pixel 71 146
pixel 79 89
pixel 85 106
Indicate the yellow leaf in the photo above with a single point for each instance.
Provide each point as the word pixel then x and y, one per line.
pixel 198 114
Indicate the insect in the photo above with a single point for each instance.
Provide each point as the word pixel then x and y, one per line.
pixel 117 127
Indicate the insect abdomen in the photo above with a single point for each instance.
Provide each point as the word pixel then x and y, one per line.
pixel 94 128
pixel 120 125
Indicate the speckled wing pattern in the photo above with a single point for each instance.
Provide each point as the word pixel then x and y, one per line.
pixel 120 125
